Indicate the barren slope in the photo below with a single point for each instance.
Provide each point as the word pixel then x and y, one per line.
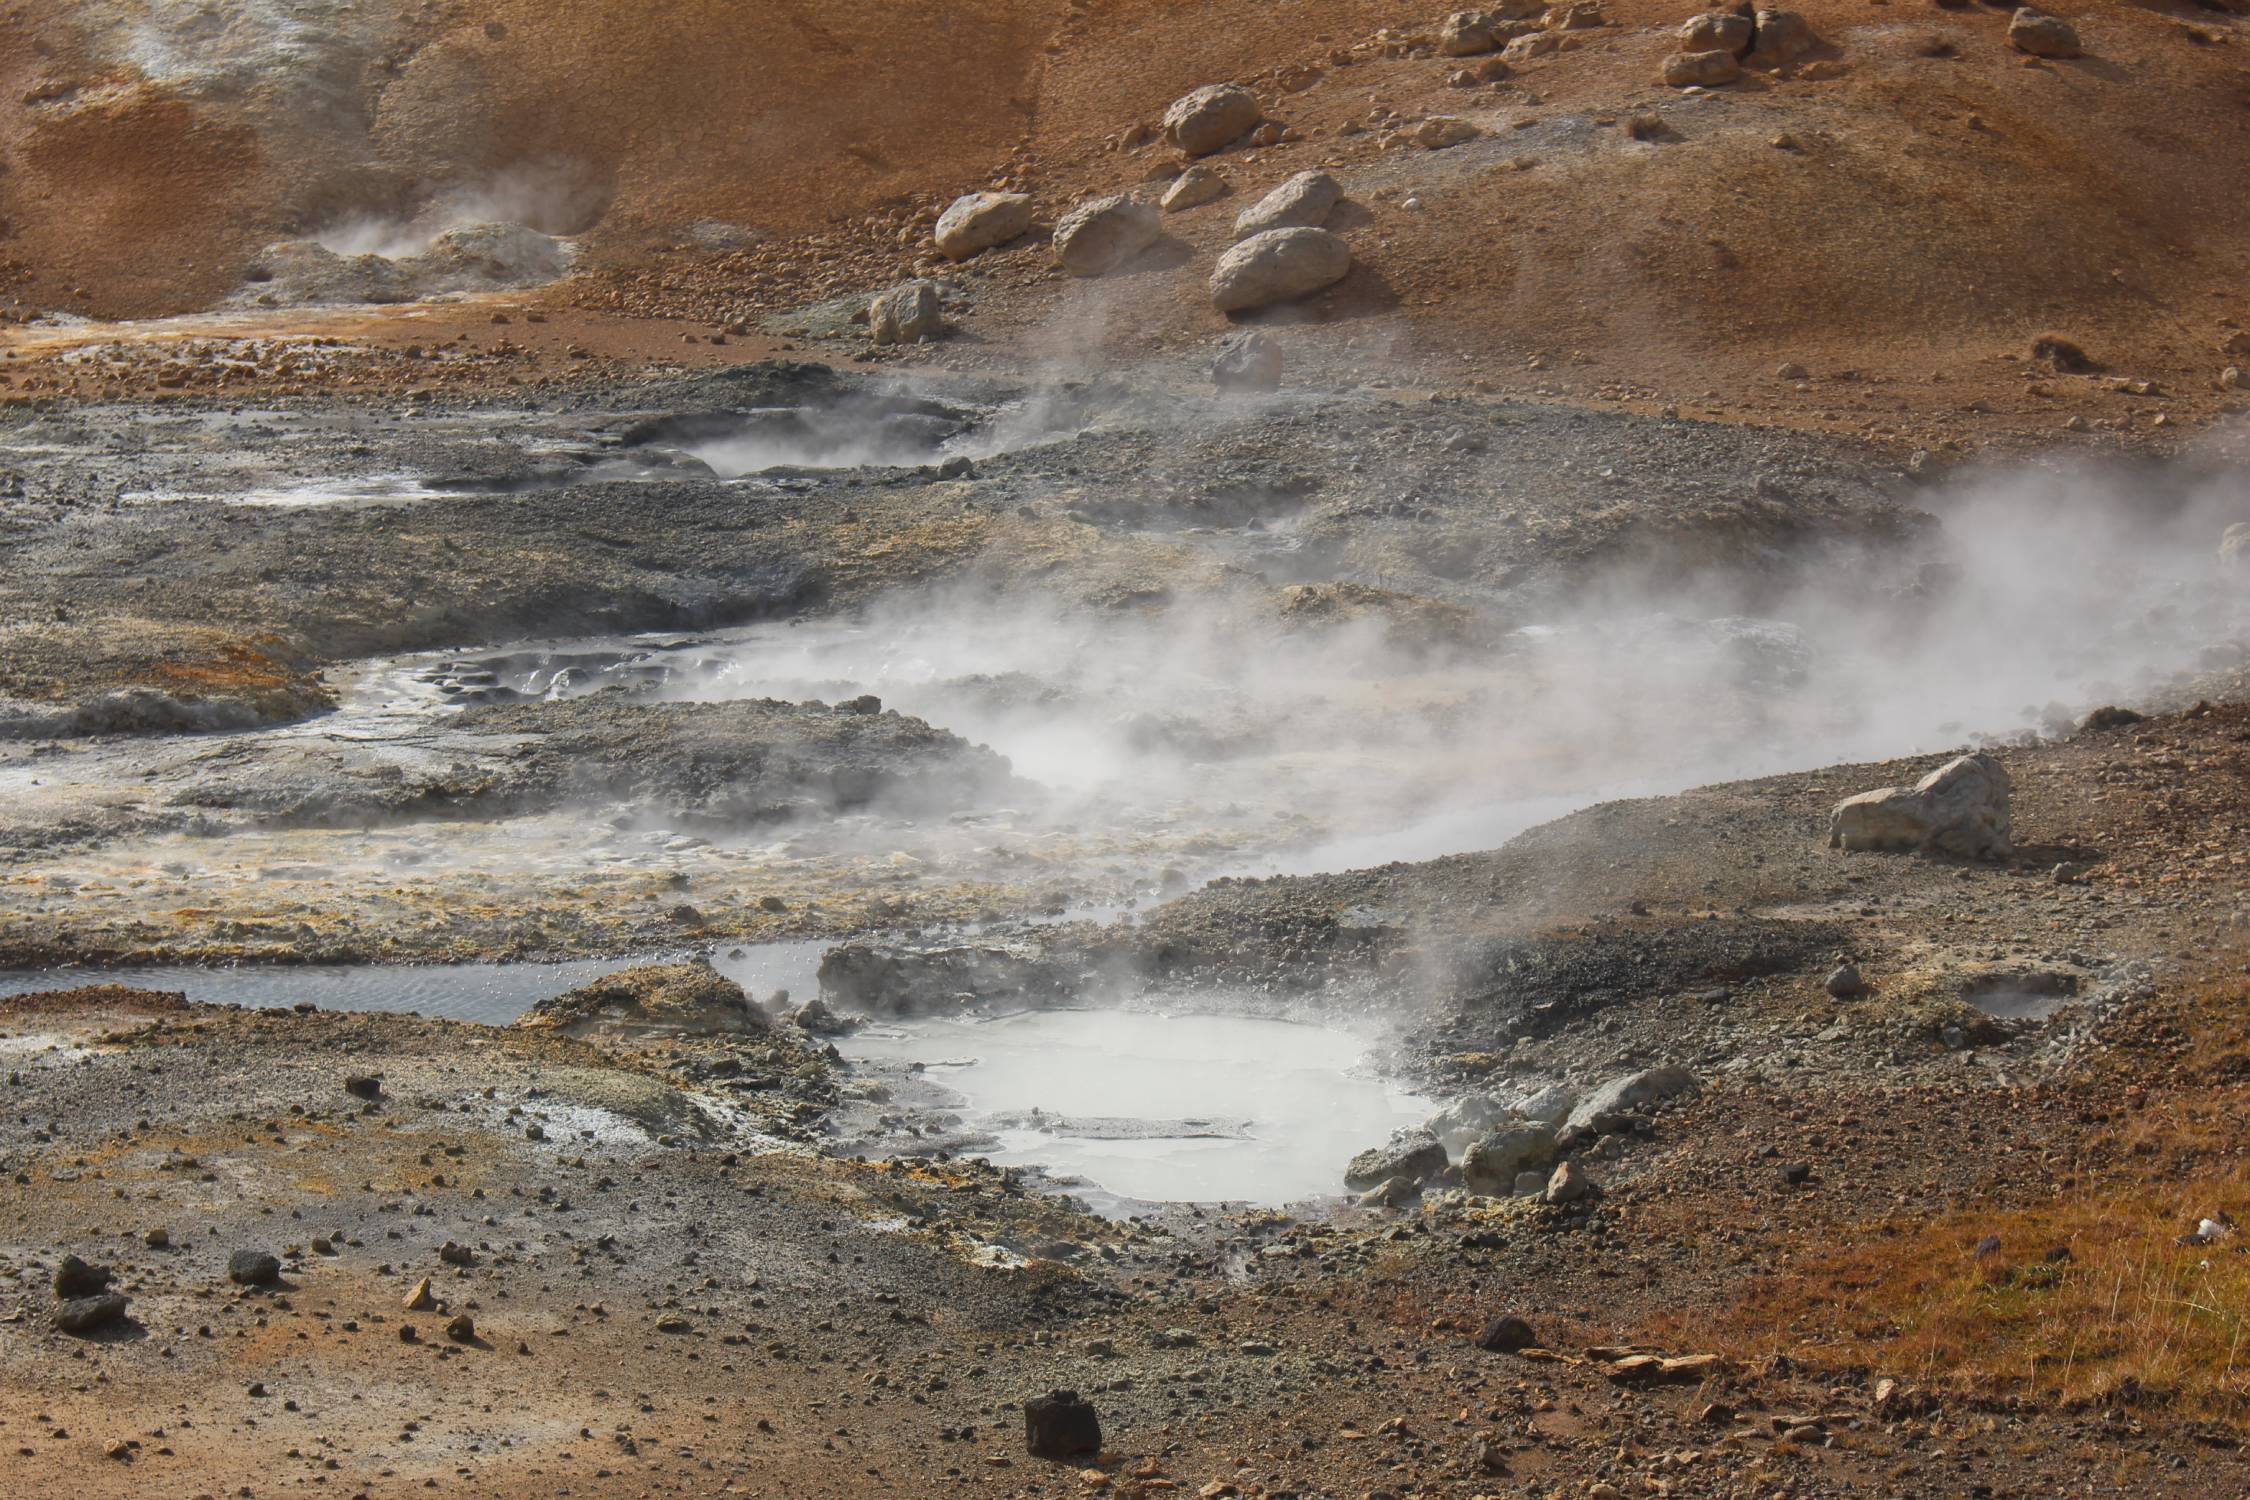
pixel 1901 213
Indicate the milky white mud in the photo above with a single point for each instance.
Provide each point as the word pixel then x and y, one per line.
pixel 1235 1109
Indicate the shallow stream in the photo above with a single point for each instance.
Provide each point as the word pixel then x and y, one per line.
pixel 490 994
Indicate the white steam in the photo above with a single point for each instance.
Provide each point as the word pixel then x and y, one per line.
pixel 550 198
pixel 1353 744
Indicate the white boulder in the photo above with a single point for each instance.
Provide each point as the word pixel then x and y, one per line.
pixel 1607 1108
pixel 1211 118
pixel 1097 237
pixel 1414 1155
pixel 906 314
pixel 1702 69
pixel 1466 1121
pixel 1302 202
pixel 1491 1166
pixel 1193 188
pixel 1961 809
pixel 976 222
pixel 1277 266
pixel 1548 1106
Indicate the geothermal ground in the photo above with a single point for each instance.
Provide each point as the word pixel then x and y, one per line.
pixel 666 831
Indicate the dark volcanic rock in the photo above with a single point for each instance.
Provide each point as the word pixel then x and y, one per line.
pixel 253 1267
pixel 76 1278
pixel 1505 1335
pixel 91 1314
pixel 1060 1425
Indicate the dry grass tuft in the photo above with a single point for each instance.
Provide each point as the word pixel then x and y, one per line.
pixel 2091 1298
pixel 2097 1293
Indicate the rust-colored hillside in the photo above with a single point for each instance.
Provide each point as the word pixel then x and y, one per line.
pixel 1900 212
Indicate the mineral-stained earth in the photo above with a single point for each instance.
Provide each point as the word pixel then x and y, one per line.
pixel 734 738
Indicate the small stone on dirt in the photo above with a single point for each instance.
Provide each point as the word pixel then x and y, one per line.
pixel 1061 1425
pixel 1395 1192
pixel 1505 1335
pixel 78 1278
pixel 2035 32
pixel 91 1314
pixel 253 1267
pixel 1441 131
pixel 1570 1183
pixel 1701 69
pixel 2064 356
pixel 1248 362
pixel 2102 720
pixel 1193 188
pixel 909 314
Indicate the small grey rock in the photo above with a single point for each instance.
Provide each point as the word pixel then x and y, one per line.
pixel 1248 362
pixel 89 1314
pixel 1505 1335
pixel 253 1267
pixel 78 1278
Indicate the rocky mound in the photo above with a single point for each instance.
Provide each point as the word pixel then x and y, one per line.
pixel 698 763
pixel 687 999
pixel 731 762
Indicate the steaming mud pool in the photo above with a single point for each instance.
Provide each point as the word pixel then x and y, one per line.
pixel 1125 1107
pixel 1145 1107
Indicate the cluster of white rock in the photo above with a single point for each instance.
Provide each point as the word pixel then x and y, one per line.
pixel 1280 250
